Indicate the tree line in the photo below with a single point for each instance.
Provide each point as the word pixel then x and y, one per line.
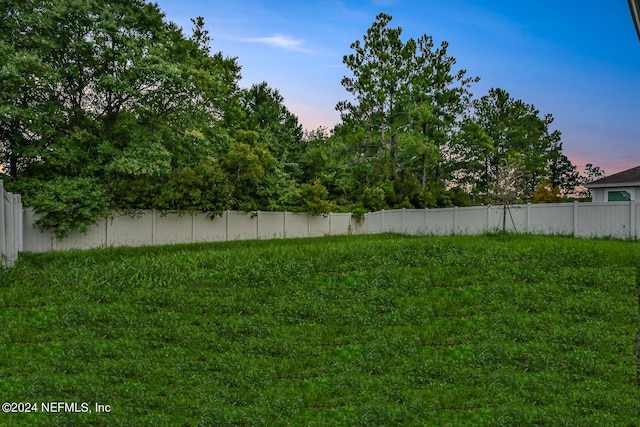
pixel 108 106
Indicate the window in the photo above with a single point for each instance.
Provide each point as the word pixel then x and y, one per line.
pixel 620 195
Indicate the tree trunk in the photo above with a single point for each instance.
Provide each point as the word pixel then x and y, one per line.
pixel 13 166
pixel 394 155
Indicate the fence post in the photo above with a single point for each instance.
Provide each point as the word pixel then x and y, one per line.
pixel 153 226
pixel 284 224
pixel 366 221
pixel 575 218
pixel 528 230
pixel 106 232
pixel 330 224
pixel 20 224
pixel 426 223
pixel 382 221
pixel 488 219
pixel 9 228
pixel 258 225
pixel 455 219
pixel 632 220
pixel 17 205
pixel 226 225
pixel 402 223
pixel 193 227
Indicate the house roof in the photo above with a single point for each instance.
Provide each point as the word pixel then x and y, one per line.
pixel 630 177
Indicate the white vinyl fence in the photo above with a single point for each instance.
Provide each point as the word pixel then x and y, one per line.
pixel 612 219
pixel 10 226
pixel 153 228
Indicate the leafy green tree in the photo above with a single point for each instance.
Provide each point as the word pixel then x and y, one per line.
pixel 591 173
pixel 318 159
pixel 203 187
pixel 64 204
pixel 313 198
pixel 110 93
pixel 439 98
pixel 273 130
pixel 407 101
pixel 563 175
pixel 547 193
pixel 27 111
pixel 265 113
pixel 508 184
pixel 502 127
pixel 380 66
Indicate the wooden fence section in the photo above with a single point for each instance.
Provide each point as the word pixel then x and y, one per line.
pixel 11 226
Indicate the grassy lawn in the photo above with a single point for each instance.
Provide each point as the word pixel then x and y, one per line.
pixel 365 330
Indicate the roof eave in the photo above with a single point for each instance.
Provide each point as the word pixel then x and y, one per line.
pixel 613 184
pixel 634 6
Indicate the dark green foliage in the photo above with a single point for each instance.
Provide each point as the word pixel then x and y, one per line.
pixel 65 204
pixel 200 188
pixel 313 199
pixel 408 99
pixel 121 97
pixel 278 129
pixel 591 173
pixel 112 95
pixel 369 330
pixel 500 129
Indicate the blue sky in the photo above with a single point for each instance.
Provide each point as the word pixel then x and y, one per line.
pixel 578 60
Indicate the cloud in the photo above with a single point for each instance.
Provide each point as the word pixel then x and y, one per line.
pixel 386 2
pixel 279 40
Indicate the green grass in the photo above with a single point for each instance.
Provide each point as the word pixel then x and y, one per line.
pixel 368 330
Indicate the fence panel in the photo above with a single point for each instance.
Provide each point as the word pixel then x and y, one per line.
pixel 472 220
pixel 210 230
pixel 611 219
pixel 414 221
pixel 171 229
pixel 93 238
pixel 440 222
pixel 270 225
pixel 125 230
pixel 372 223
pixel 339 224
pixel 242 226
pixel 554 218
pixel 319 226
pixel 297 225
pixel 392 221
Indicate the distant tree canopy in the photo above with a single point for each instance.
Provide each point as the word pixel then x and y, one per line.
pixel 107 106
pixel 499 127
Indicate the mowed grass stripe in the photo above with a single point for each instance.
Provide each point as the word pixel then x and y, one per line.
pixel 363 330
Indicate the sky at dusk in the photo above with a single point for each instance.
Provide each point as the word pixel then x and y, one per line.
pixel 577 60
